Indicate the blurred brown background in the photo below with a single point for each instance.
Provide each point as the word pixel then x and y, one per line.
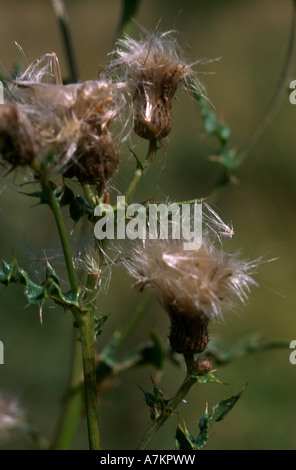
pixel 251 38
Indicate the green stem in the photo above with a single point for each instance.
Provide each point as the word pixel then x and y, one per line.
pixel 72 405
pixel 86 328
pixel 172 405
pixel 129 10
pixel 55 207
pixel 278 96
pixel 84 319
pixel 140 171
pixel 62 17
pixel 134 183
pixel 74 400
pixel 91 198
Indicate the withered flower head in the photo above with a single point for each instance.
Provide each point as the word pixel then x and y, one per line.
pixel 153 67
pixel 18 141
pixel 194 286
pixel 94 112
pixel 74 122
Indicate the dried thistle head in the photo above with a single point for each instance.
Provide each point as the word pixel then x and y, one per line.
pixel 18 142
pixel 153 67
pixel 94 160
pixel 91 154
pixel 74 121
pixel 194 286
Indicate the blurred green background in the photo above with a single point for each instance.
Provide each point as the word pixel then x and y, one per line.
pixel 251 38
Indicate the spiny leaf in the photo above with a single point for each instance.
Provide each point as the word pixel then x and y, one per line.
pixel 185 441
pixel 229 159
pixel 248 345
pixel 207 378
pixel 78 208
pixel 65 197
pixel 77 204
pixel 226 155
pixel 38 195
pixel 155 402
pixel 52 289
pixel 11 273
pixel 218 413
pixel 149 353
pixel 98 323
pixel 37 294
pixel 211 122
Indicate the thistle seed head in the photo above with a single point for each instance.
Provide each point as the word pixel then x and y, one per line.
pixel 94 160
pixel 76 122
pixel 194 286
pixel 153 67
pixel 196 282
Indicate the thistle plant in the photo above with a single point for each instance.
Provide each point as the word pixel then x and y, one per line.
pixel 69 138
